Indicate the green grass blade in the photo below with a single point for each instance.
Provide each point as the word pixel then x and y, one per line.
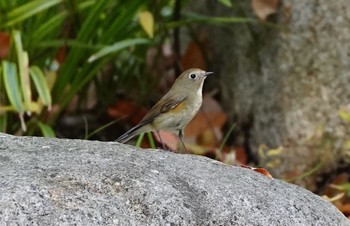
pixel 139 140
pixel 152 144
pixel 117 47
pixel 49 26
pixel 87 31
pixel 10 77
pixel 3 122
pixel 227 135
pixel 46 130
pixel 52 25
pixel 101 128
pixel 123 21
pixel 41 85
pixel 29 9
pixel 22 58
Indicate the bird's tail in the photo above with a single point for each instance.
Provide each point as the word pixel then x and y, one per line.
pixel 131 133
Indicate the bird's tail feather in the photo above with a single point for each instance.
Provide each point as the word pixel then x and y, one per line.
pixel 126 136
pixel 131 133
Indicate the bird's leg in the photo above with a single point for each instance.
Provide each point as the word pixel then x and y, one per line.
pixel 160 138
pixel 181 136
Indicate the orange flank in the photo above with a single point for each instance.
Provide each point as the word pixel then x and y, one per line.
pixel 178 108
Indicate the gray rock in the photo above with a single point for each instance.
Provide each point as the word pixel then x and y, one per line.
pixel 74 182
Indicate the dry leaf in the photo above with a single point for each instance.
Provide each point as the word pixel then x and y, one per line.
pixel 4 44
pixel 241 154
pixel 209 137
pixel 264 8
pixel 147 22
pixel 205 120
pixel 197 149
pixel 193 57
pixel 61 54
pixel 345 209
pixel 125 108
pixel 209 117
pixel 259 170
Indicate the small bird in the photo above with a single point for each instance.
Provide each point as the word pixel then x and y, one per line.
pixel 175 109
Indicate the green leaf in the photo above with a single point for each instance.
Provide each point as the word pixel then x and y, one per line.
pixel 50 25
pixel 27 10
pixel 46 130
pixel 71 67
pixel 9 72
pixel 55 20
pixel 116 47
pixel 22 58
pixel 41 85
pixel 3 122
pixel 226 3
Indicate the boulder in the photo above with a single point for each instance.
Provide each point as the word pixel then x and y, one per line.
pixel 45 181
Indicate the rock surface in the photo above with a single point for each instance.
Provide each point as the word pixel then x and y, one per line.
pixel 73 182
pixel 284 85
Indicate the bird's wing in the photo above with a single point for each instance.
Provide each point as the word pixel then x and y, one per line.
pixel 163 106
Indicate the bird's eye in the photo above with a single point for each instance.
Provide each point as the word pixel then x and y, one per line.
pixel 193 76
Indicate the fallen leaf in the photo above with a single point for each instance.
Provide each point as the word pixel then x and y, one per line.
pixel 193 57
pixel 127 108
pixel 209 137
pixel 196 149
pixel 264 8
pixel 259 170
pixel 345 209
pixel 241 154
pixel 205 120
pixel 210 116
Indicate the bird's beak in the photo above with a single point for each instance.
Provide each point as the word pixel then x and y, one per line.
pixel 208 73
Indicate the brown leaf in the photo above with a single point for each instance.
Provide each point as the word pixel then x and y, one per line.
pixel 264 8
pixel 241 154
pixel 259 170
pixel 193 57
pixel 4 44
pixel 345 209
pixel 128 108
pixel 61 54
pixel 210 116
pixel 203 121
pixel 208 137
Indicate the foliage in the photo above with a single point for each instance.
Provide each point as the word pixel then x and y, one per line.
pixel 57 34
pixel 57 49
